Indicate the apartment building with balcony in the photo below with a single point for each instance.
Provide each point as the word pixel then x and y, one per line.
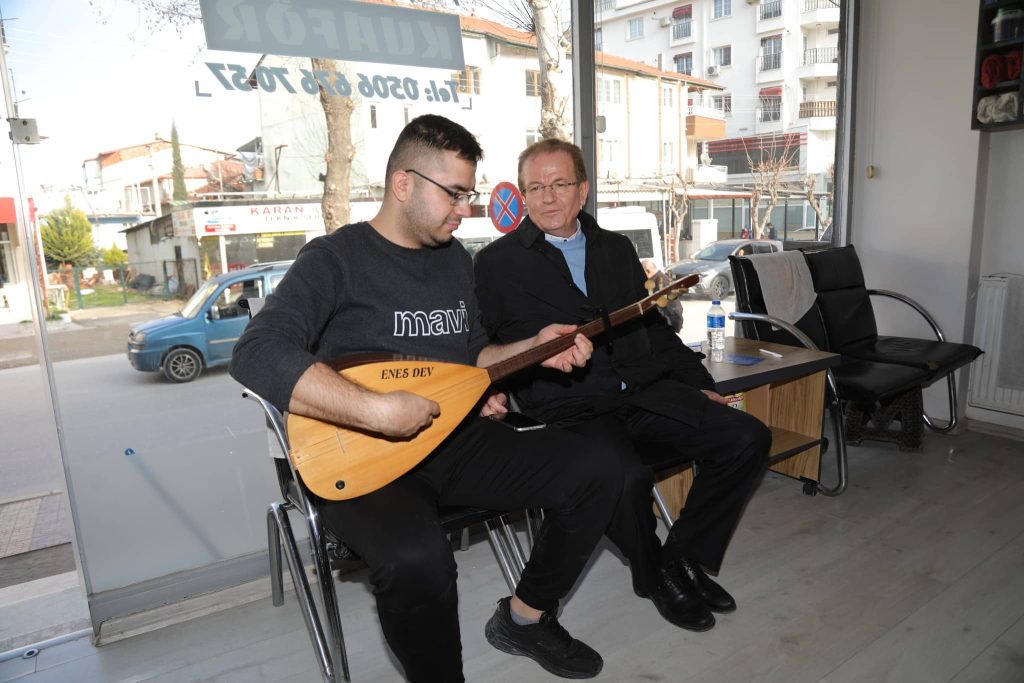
pixel 651 120
pixel 776 62
pixel 125 186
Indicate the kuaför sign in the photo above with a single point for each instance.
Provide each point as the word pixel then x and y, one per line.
pixel 335 29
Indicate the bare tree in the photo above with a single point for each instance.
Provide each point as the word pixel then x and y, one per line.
pixel 543 20
pixel 340 152
pixel 515 13
pixel 768 182
pixel 814 198
pixel 555 70
pixel 337 112
pixel 679 204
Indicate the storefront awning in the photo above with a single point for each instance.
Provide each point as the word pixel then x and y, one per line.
pixel 8 214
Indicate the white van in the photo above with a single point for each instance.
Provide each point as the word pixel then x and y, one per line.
pixel 640 226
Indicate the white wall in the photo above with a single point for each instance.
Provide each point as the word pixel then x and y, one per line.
pixel 1003 245
pixel 914 224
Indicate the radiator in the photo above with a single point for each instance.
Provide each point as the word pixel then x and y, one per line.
pixel 990 320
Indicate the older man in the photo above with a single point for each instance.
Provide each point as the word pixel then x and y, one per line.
pixel 642 386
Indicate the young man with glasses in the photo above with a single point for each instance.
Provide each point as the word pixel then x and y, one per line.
pixel 355 291
pixel 642 386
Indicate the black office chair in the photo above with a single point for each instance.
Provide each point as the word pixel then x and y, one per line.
pixel 328 639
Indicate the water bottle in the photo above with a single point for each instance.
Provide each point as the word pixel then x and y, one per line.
pixel 716 331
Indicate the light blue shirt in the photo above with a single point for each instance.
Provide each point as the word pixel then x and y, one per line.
pixel 574 249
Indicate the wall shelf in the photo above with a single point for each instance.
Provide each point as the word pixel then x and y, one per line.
pixel 987 47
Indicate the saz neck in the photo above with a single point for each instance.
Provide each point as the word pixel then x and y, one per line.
pixel 541 352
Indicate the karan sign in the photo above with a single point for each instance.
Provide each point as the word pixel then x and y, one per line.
pixel 335 29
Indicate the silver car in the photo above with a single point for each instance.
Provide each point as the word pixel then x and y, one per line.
pixel 712 264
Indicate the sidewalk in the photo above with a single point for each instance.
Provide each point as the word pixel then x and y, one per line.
pixel 11 328
pixel 91 332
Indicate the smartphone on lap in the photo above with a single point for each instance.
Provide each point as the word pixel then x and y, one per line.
pixel 518 422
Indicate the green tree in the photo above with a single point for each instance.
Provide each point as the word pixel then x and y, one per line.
pixel 180 192
pixel 67 235
pixel 113 256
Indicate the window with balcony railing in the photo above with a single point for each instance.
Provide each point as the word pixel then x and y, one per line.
pixel 772 60
pixel 814 109
pixel 682 28
pixel 771 9
pixel 811 5
pixel 821 55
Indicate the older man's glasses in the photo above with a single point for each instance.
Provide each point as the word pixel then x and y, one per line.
pixel 457 198
pixel 559 187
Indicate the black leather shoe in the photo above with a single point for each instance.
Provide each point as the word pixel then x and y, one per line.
pixel 681 606
pixel 694 580
pixel 547 643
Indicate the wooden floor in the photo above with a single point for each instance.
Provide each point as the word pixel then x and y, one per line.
pixel 915 574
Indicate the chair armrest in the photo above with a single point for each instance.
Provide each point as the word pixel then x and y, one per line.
pixel 274 419
pixel 913 304
pixel 778 322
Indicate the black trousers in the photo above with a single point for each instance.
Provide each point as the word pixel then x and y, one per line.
pixel 483 464
pixel 731 449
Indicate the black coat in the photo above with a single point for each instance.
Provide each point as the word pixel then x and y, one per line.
pixel 523 283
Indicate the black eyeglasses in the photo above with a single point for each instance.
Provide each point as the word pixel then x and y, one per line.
pixel 559 187
pixel 458 198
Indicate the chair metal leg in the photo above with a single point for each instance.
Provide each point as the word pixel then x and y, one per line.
pixel 274 548
pixel 502 554
pixel 328 595
pixel 839 432
pixel 667 518
pixel 302 590
pixel 517 555
pixel 951 425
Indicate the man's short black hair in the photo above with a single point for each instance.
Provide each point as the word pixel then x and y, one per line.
pixel 431 133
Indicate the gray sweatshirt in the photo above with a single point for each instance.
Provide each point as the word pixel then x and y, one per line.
pixel 353 292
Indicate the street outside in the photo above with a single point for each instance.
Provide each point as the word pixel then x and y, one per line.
pixel 129 398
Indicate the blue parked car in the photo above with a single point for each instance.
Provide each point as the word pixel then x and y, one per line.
pixel 203 333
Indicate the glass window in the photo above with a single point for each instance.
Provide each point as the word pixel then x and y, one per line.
pixel 722 103
pixel 667 96
pixel 468 81
pixel 771 53
pixel 598 39
pixel 668 153
pixel 771 9
pixel 682 27
pixel 722 55
pixel 723 8
pixel 604 5
pixel 636 28
pixel 227 306
pixel 532 83
pixel 609 90
pixel 684 63
pixel 771 108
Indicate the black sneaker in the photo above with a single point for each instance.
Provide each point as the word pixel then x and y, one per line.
pixel 681 607
pixel 546 642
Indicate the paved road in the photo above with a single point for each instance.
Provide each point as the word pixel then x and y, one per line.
pixel 105 404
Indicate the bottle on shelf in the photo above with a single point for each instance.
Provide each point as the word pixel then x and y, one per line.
pixel 716 331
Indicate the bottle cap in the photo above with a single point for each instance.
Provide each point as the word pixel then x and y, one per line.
pixel 715 302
